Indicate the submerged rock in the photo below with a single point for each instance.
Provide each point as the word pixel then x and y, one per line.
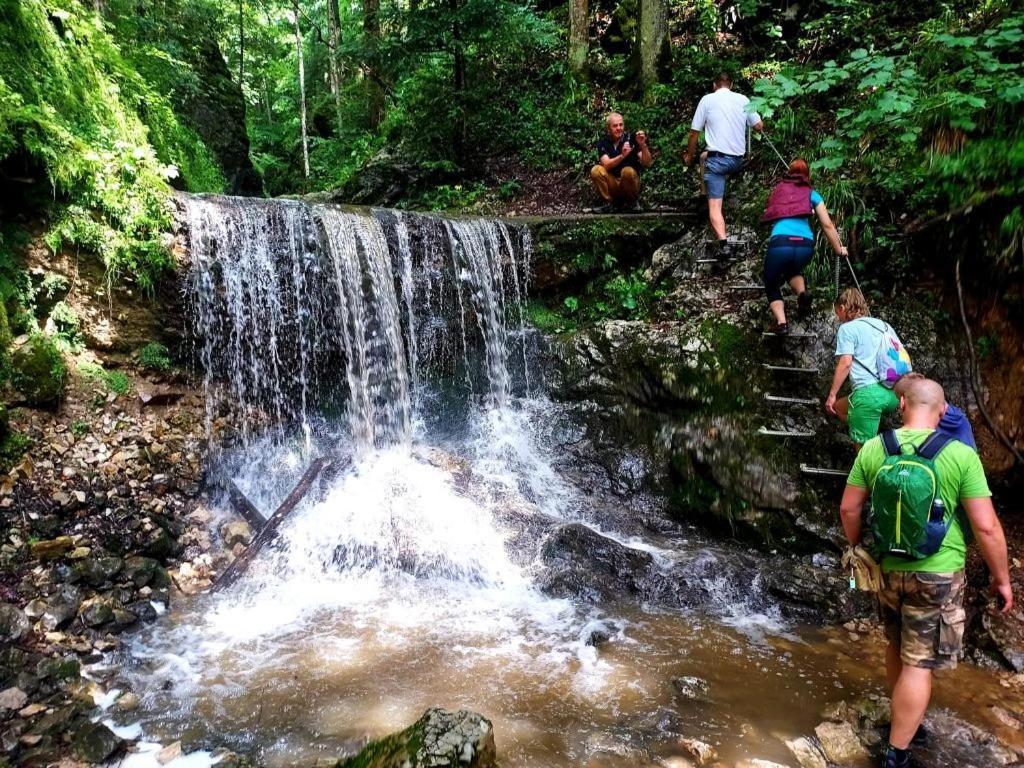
pixel 583 563
pixel 439 739
pixel 840 744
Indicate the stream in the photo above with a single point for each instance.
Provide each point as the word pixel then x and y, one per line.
pixel 460 559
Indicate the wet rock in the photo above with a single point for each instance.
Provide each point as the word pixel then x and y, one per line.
pixel 815 593
pixel 35 608
pixel 236 532
pixel 583 563
pixel 96 571
pixel 52 549
pixel 757 763
pixel 14 624
pixel 169 753
pixel 439 739
pixel 1006 634
pixel 123 619
pixel 1006 718
pixel 59 668
pixel 12 698
pixel 144 570
pixel 807 753
pixel 94 743
pixel 62 607
pixel 96 613
pixel 127 702
pixel 840 744
pixel 702 752
pixel 692 688
pixel 602 744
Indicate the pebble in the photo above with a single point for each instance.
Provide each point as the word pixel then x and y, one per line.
pixel 13 698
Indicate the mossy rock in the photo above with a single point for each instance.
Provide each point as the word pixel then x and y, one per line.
pixel 439 739
pixel 39 372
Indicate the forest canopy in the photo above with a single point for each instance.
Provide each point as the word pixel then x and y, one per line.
pixel 906 110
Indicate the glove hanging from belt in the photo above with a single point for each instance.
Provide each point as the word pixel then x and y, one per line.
pixel 864 573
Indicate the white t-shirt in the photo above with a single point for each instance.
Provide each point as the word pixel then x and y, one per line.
pixel 723 117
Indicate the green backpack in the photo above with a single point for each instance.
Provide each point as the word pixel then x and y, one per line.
pixel 908 518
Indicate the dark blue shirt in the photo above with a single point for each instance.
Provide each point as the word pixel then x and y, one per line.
pixel 613 149
pixel 956 423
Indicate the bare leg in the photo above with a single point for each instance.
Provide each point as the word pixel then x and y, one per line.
pixel 893 665
pixel 797 284
pixel 716 217
pixel 779 310
pixel 909 702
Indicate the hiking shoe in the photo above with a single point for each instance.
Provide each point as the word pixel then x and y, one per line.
pixel 780 329
pixel 920 737
pixel 605 208
pixel 891 759
pixel 803 304
pixel 633 207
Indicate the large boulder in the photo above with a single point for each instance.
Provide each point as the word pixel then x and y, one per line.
pixel 38 371
pixel 439 739
pixel 583 563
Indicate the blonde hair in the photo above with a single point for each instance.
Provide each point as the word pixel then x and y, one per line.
pixel 853 302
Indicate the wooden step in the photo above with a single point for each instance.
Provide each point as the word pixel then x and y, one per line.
pixel 788 368
pixel 791 400
pixel 792 335
pixel 823 471
pixel 784 433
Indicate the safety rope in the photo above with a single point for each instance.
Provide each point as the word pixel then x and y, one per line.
pixel 782 160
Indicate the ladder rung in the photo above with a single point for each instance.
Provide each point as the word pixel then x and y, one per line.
pixel 788 369
pixel 745 287
pixel 730 242
pixel 826 471
pixel 791 400
pixel 792 335
pixel 719 261
pixel 783 433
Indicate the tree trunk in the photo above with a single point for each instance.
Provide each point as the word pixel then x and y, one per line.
pixel 334 41
pixel 458 82
pixel 579 37
pixel 302 90
pixel 653 30
pixel 241 43
pixel 371 39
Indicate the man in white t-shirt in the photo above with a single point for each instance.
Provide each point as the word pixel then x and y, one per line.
pixel 724 118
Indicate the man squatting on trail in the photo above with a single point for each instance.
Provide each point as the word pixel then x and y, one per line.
pixel 921 600
pixel 621 157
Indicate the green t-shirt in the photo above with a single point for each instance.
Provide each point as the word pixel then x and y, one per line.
pixel 961 476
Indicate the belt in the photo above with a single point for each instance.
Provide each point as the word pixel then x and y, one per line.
pixel 716 153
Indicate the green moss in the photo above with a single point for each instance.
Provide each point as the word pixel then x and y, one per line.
pixel 13 445
pixel 39 372
pixel 116 381
pixel 546 319
pixel 154 356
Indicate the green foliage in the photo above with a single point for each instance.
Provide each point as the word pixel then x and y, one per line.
pixel 116 381
pixel 39 372
pixel 106 140
pixel 13 445
pixel 927 123
pixel 154 356
pixel 79 428
pixel 67 327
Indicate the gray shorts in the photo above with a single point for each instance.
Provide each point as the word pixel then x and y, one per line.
pixel 716 170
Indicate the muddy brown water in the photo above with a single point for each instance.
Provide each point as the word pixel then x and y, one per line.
pixel 318 691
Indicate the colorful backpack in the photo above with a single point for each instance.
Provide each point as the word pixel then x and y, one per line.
pixel 908 518
pixel 892 361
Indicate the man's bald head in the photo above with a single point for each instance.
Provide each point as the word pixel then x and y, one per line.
pixel 922 403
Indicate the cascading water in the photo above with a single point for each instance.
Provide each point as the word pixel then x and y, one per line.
pixel 411 579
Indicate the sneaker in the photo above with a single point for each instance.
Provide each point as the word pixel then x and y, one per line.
pixel 892 760
pixel 605 208
pixel 633 207
pixel 920 737
pixel 780 329
pixel 803 304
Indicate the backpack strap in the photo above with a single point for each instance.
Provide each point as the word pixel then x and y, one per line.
pixel 933 444
pixel 891 443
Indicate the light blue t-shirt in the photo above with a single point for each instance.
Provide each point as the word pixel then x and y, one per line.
pixel 861 338
pixel 798 226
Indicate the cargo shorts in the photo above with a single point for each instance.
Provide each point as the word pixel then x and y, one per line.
pixel 924 617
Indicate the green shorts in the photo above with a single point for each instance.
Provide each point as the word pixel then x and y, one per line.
pixel 867 404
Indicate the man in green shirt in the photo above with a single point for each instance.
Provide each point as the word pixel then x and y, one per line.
pixel 921 601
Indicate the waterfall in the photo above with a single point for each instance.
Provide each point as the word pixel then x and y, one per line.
pixel 298 308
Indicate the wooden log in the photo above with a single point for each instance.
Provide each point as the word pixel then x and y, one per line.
pixel 269 531
pixel 241 504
